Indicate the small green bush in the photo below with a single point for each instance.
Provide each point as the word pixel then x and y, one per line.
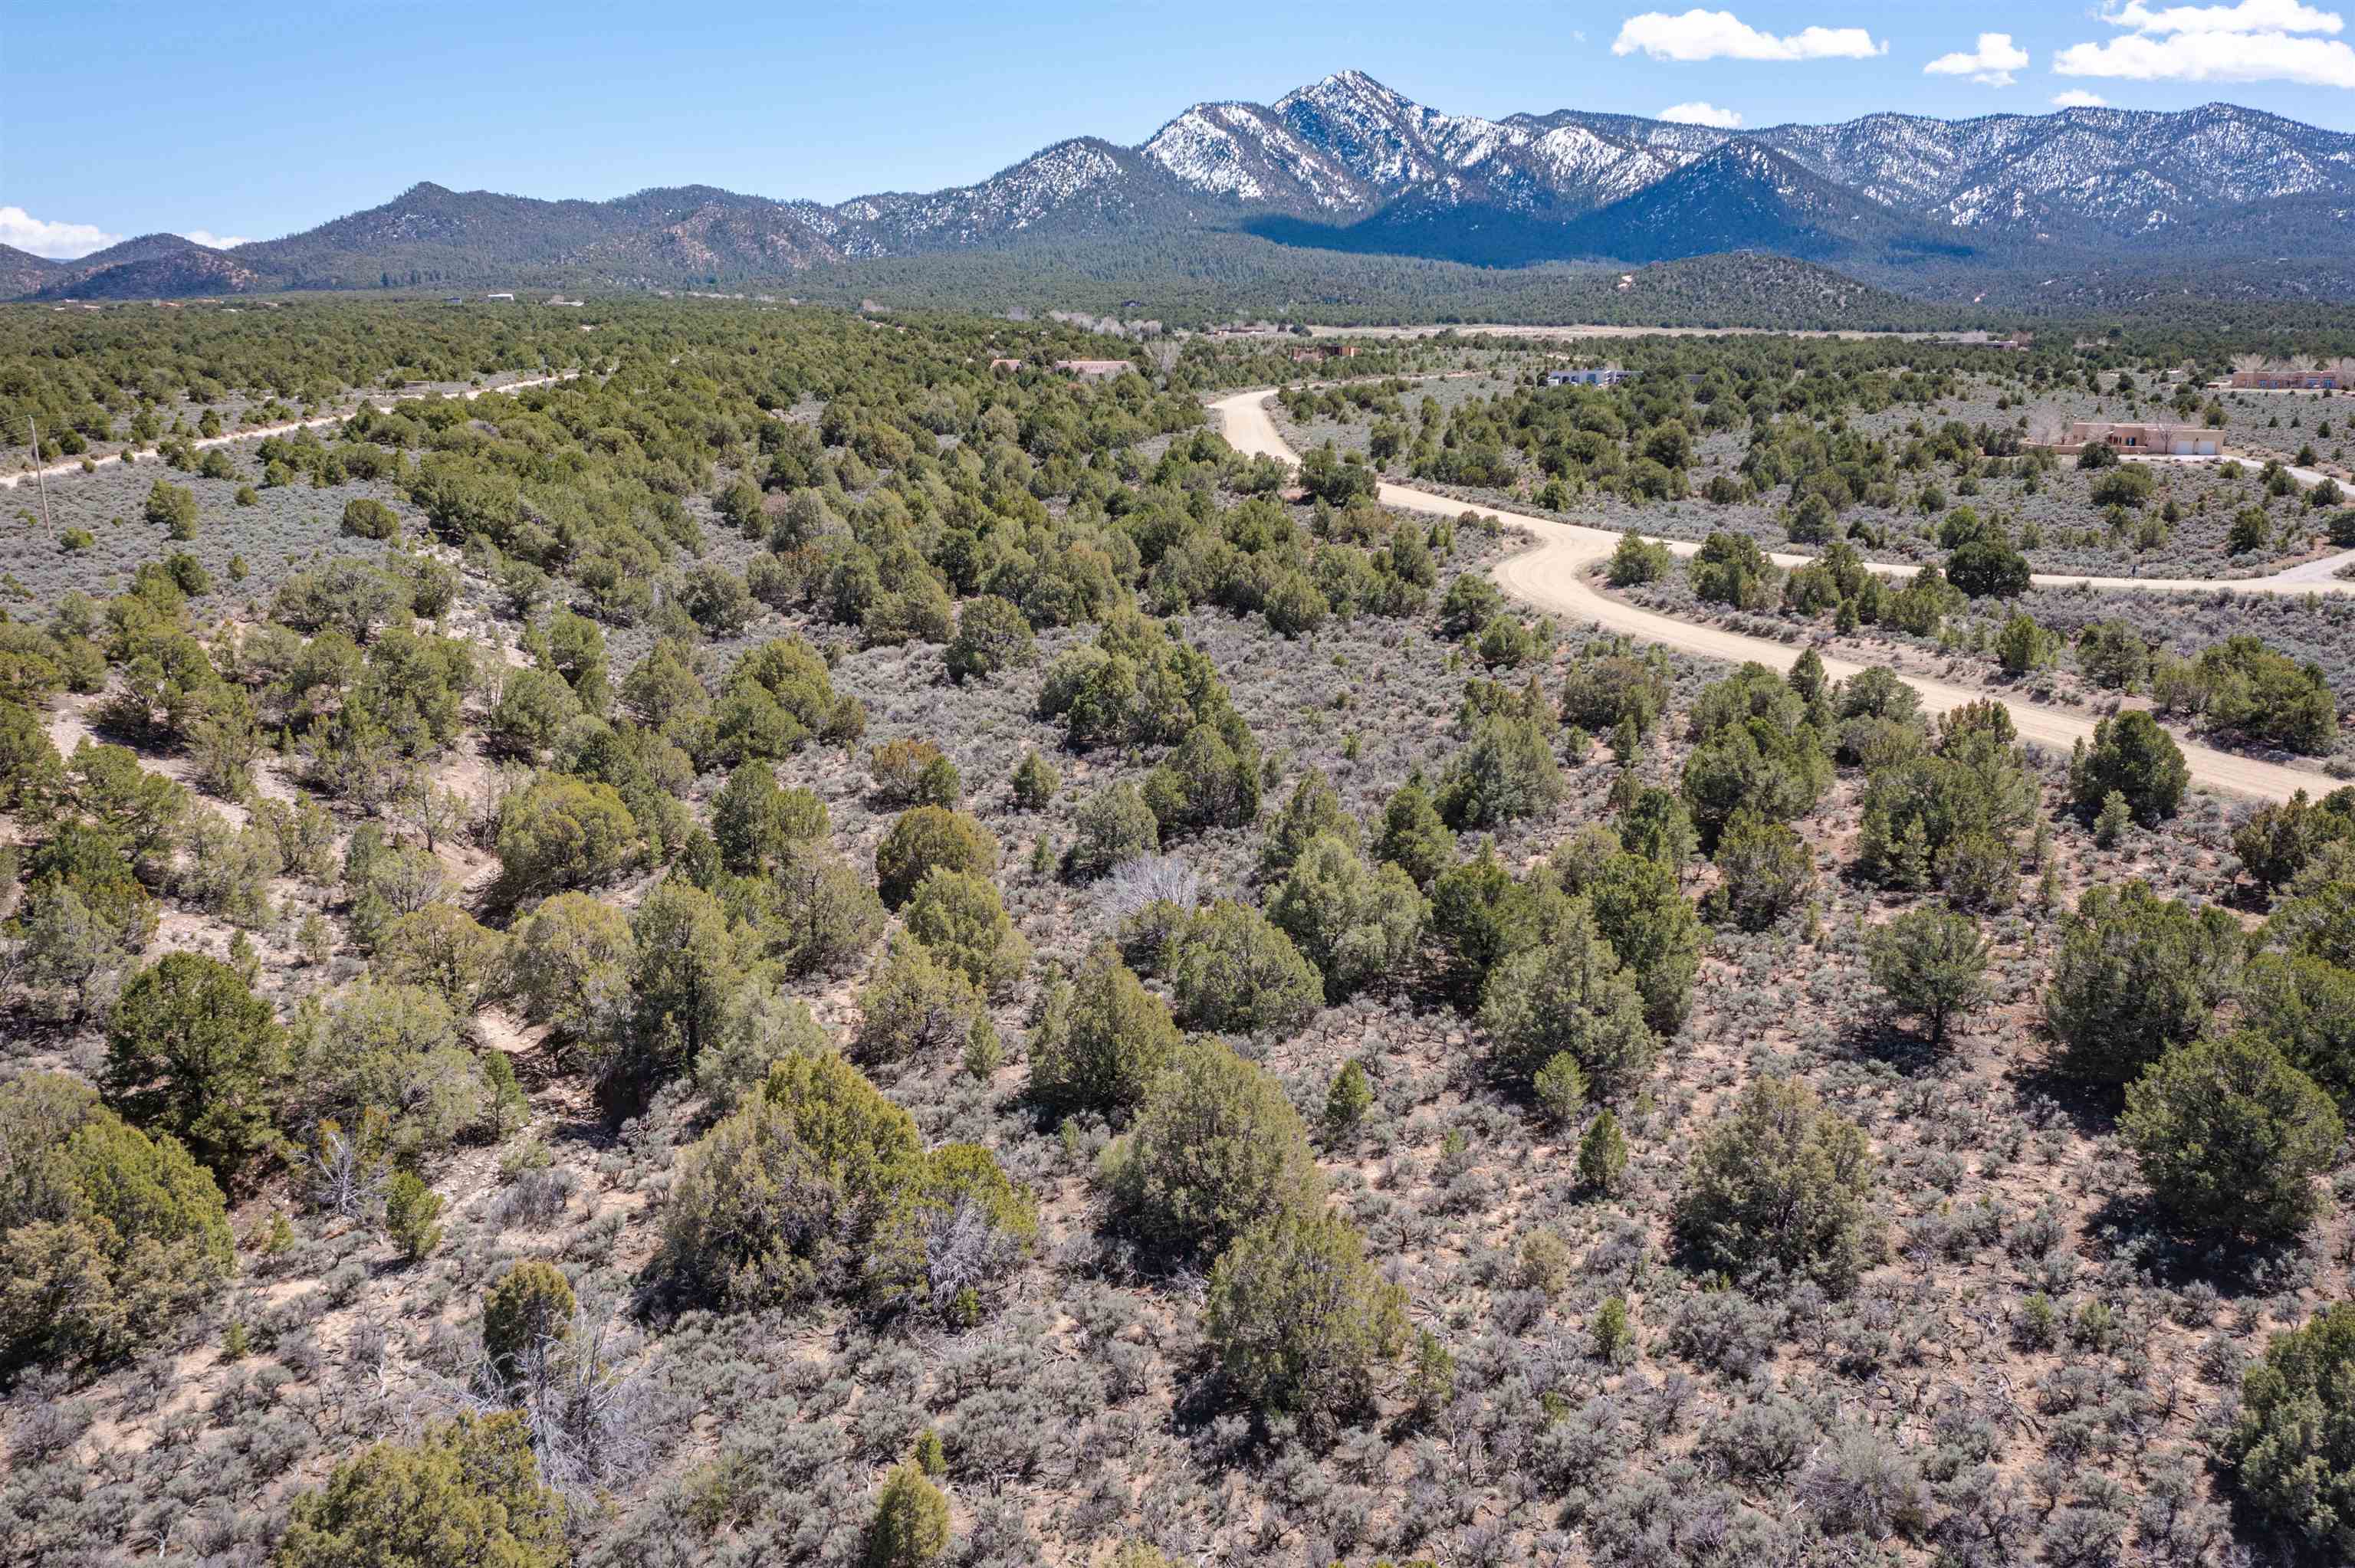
pixel 528 1308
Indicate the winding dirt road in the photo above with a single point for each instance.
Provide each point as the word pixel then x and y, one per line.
pixel 1553 576
pixel 262 432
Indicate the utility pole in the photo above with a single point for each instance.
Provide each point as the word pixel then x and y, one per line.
pixel 40 478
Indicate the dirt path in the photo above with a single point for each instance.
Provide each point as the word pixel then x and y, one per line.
pixel 1553 576
pixel 262 432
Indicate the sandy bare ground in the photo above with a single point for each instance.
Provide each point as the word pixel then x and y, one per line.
pixel 1553 576
pixel 260 432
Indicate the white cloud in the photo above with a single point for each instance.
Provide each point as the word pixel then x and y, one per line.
pixel 2214 56
pixel 57 242
pixel 2078 98
pixel 2255 40
pixel 2248 16
pixel 1721 34
pixel 205 237
pixel 1702 114
pixel 1989 65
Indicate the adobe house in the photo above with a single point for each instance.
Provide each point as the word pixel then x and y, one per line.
pixel 2137 440
pixel 2286 380
pixel 1093 369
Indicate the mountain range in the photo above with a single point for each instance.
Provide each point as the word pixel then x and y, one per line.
pixel 1929 206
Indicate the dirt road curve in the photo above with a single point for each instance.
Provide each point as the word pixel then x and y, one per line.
pixel 258 432
pixel 1553 576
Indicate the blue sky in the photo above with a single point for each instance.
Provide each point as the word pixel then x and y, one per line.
pixel 250 122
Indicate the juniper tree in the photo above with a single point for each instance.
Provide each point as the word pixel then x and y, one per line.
pixel 1299 1321
pixel 911 1527
pixel 1781 1182
pixel 2231 1138
pixel 1233 972
pixel 1347 1099
pixel 1099 1040
pixel 926 838
pixel 2136 974
pixel 467 1490
pixel 1216 1149
pixel 2134 757
pixel 2292 1449
pixel 1602 1153
pixel 191 1051
pixel 1932 963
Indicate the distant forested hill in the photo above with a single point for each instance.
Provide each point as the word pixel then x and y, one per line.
pixel 2093 207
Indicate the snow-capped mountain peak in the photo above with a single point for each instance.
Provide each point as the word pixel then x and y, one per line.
pixel 1349 143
